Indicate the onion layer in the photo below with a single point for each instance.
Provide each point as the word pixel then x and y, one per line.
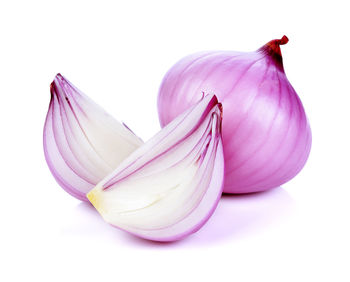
pixel 82 143
pixel 266 135
pixel 169 187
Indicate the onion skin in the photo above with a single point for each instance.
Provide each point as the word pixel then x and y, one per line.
pixel 266 134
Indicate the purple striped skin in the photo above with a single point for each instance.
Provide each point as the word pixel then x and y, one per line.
pixel 266 134
pixel 51 152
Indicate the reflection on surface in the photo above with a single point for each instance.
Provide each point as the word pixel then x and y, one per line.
pixel 245 215
pixel 237 216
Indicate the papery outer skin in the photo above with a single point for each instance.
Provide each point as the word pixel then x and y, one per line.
pixel 164 152
pixel 77 133
pixel 266 135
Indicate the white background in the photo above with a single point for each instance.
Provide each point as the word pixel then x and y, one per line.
pixel 117 52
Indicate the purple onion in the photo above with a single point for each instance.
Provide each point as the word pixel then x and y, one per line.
pixel 266 135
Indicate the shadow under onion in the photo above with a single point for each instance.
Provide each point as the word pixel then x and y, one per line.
pixel 237 216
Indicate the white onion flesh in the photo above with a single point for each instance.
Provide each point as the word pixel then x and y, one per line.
pixel 169 187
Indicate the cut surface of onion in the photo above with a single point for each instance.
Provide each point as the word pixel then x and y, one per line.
pixel 265 131
pixel 169 187
pixel 82 143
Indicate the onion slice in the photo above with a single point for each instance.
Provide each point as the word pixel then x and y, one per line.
pixel 169 187
pixel 82 143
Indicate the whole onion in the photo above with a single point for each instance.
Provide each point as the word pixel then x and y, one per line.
pixel 266 135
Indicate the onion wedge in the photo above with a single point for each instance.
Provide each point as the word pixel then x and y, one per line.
pixel 82 143
pixel 170 186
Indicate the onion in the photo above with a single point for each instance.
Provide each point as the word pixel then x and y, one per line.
pixel 82 143
pixel 169 187
pixel 266 135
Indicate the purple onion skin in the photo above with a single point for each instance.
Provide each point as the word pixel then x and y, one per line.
pixel 266 134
